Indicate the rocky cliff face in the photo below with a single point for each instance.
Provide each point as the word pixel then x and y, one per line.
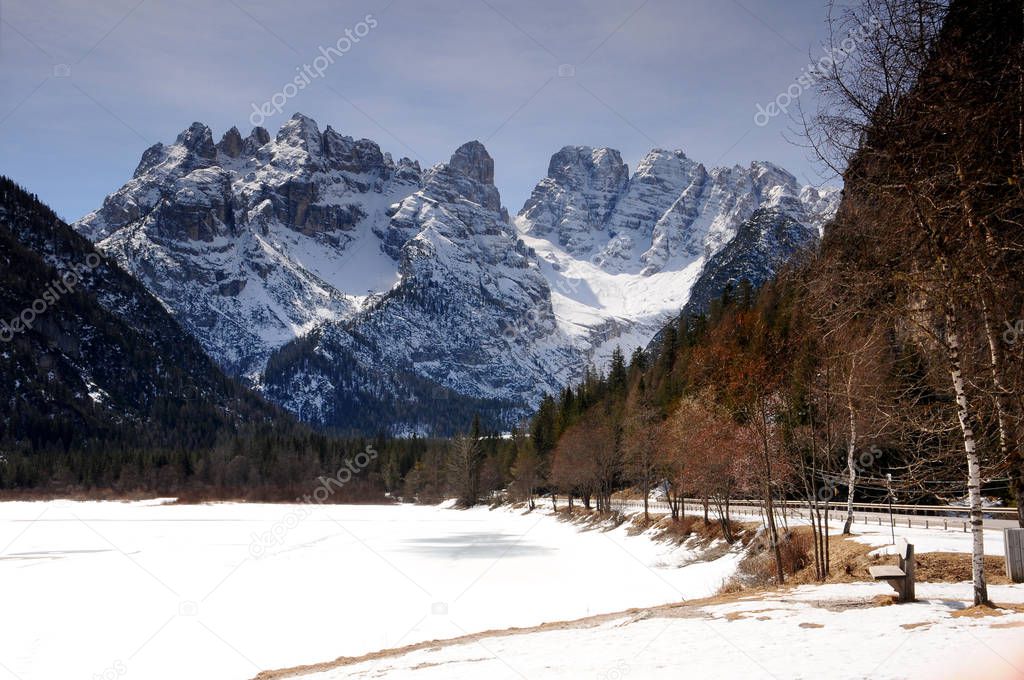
pixel 361 292
pixel 471 314
pixel 576 198
pixel 669 211
pixel 252 242
pixel 622 252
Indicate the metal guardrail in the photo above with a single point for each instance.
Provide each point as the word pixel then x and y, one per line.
pixel 899 509
pixel 945 517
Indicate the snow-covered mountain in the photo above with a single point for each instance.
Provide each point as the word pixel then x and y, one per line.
pixel 253 242
pixel 622 253
pixel 358 291
pixel 470 316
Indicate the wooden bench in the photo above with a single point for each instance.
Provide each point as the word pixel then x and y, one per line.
pixel 901 578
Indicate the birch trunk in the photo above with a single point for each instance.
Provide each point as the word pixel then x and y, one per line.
pixel 851 466
pixel 1009 450
pixel 1009 446
pixel 973 463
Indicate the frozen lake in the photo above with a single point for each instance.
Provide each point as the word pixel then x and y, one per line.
pixel 222 591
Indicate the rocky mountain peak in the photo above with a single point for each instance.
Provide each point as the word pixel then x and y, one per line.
pixel 256 139
pixel 231 143
pixel 581 166
pixel 199 140
pixel 664 217
pixel 664 161
pixel 577 197
pixel 151 157
pixel 468 176
pixel 407 282
pixel 302 132
pixel 252 241
pixel 767 175
pixel 346 153
pixel 472 160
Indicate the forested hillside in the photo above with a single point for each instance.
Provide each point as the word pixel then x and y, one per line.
pixel 102 389
pixel 893 349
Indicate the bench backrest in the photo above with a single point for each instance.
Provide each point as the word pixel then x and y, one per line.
pixel 902 547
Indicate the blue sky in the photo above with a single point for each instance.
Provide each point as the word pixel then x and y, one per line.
pixel 87 86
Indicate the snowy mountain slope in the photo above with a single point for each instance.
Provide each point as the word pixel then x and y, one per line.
pixel 253 242
pixel 622 253
pixel 761 246
pixel 360 292
pixel 472 313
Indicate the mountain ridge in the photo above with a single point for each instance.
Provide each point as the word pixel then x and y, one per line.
pixel 410 277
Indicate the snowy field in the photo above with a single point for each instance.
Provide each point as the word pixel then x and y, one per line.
pixel 834 630
pixel 222 591
pixel 829 631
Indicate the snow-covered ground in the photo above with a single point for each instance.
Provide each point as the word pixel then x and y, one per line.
pixel 832 631
pixel 585 297
pixel 924 540
pixel 222 591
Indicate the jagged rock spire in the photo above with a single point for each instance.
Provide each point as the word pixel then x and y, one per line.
pixel 472 160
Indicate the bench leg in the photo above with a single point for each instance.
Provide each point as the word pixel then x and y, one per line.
pixel 911 575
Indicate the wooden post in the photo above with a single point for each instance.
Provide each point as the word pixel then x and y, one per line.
pixel 908 565
pixel 1014 545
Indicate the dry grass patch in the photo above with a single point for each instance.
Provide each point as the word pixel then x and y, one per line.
pixel 1011 624
pixel 977 612
pixel 849 561
pixel 758 569
pixel 639 524
pixel 748 613
pixel 589 520
pixel 956 567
